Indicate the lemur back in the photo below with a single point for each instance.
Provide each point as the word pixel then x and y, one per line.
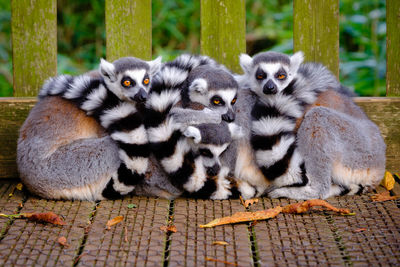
pixel 283 130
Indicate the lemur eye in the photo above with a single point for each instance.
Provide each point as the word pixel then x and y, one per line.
pixel 146 81
pixel 281 76
pixel 216 100
pixel 205 153
pixel 127 83
pixel 233 101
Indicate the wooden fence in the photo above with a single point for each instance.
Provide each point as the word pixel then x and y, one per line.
pixel 223 29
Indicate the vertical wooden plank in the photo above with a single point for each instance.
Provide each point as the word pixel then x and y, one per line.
pixel 316 31
pixel 392 48
pixel 34 44
pixel 128 29
pixel 223 30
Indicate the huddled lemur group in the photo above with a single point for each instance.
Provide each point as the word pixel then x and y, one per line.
pixel 192 128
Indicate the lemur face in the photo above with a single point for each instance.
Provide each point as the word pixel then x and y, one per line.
pixel 214 88
pixel 210 141
pixel 129 78
pixel 270 73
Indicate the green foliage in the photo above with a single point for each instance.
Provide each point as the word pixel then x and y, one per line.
pixel 176 29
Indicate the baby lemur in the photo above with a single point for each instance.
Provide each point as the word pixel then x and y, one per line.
pixel 309 138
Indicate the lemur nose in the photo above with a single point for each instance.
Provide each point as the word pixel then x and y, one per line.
pixel 141 96
pixel 213 171
pixel 270 88
pixel 229 116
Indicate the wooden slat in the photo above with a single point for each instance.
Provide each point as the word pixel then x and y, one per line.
pixel 34 44
pixel 223 30
pixel 128 29
pixel 316 31
pixel 383 111
pixel 193 245
pixel 136 241
pixel 392 47
pixel 295 240
pixel 35 244
pixel 13 112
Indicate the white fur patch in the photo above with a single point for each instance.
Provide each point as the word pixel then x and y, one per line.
pixel 199 85
pixel 95 99
pixel 285 104
pixel 268 157
pixel 174 162
pixel 160 102
pixel 173 76
pixel 343 175
pixel 116 113
pixel 293 175
pixel 272 125
pixel 223 185
pixel 136 136
pixel 197 180
pixel 246 190
pixel 79 84
pixel 59 85
pixel 122 188
pixel 137 75
pixel 162 132
pixel 137 164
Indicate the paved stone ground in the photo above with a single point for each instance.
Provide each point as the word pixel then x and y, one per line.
pixel 317 238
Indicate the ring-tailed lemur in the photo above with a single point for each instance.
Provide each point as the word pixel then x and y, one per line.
pixel 195 164
pixel 116 99
pixel 203 83
pixel 309 138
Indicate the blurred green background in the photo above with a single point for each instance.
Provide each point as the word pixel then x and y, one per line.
pixel 176 29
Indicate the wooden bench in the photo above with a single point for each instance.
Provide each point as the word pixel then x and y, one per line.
pixel 371 237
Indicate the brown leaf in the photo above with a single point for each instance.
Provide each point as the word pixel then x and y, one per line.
pixel 244 217
pixel 222 261
pixel 385 196
pixel 359 230
pixel 248 202
pixel 222 243
pixel 114 221
pixel 48 217
pixel 388 181
pixel 170 228
pixel 126 235
pixel 302 207
pixel 62 241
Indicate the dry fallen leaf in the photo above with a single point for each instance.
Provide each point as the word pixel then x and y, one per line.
pixel 244 217
pixel 47 217
pixel 388 181
pixel 62 241
pixel 222 243
pixel 248 202
pixel 302 207
pixel 359 230
pixel 114 221
pixel 385 196
pixel 170 228
pixel 222 261
pixel 19 186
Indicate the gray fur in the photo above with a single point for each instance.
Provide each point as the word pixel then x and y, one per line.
pixel 215 134
pixel 129 63
pixel 216 78
pixel 271 57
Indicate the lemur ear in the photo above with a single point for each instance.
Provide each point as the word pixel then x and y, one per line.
pixel 235 130
pixel 155 65
pixel 295 61
pixel 107 70
pixel 199 85
pixel 194 133
pixel 246 62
